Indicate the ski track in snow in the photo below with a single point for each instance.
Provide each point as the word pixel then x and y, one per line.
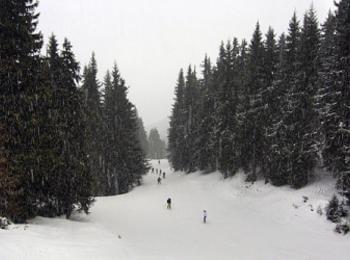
pixel 244 222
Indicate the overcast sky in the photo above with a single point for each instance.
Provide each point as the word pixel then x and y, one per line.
pixel 152 39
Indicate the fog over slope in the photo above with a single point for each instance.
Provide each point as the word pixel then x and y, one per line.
pixel 162 126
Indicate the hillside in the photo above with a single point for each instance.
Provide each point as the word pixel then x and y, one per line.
pixel 244 222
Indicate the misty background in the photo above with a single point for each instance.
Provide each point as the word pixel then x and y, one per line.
pixel 151 40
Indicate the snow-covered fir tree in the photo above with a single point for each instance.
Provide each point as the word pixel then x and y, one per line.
pixel 338 139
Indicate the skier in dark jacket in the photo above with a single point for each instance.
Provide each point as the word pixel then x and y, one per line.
pixel 159 180
pixel 163 175
pixel 168 203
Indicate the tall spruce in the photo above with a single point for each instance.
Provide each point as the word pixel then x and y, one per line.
pixel 287 133
pixel 326 94
pixel 76 189
pixel 339 138
pixel 94 125
pixel 242 143
pixel 19 82
pixel 176 134
pixel 303 113
pixel 256 109
pixel 270 60
pixel 227 80
pixel 206 160
pixel 125 158
pixel 276 172
pixel 191 117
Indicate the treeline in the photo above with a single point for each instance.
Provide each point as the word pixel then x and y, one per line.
pixel 60 144
pixel 156 146
pixel 152 145
pixel 275 108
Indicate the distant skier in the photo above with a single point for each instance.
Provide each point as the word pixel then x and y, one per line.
pixel 158 161
pixel 159 180
pixel 152 170
pixel 156 171
pixel 168 203
pixel 160 172
pixel 163 175
pixel 204 216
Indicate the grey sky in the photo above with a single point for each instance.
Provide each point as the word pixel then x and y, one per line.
pixel 152 39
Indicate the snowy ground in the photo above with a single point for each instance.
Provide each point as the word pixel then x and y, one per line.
pixel 244 222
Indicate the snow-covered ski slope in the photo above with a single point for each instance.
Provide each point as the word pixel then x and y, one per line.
pixel 244 222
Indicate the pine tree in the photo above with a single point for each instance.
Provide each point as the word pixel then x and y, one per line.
pixel 326 94
pixel 227 80
pixel 287 134
pixel 177 127
pixel 206 154
pixel 255 112
pixel 276 171
pixel 125 158
pixel 108 181
pixel 242 143
pixel 303 114
pixel 66 184
pixel 76 190
pixel 268 97
pixel 332 210
pixel 19 80
pixel 94 135
pixel 191 117
pixel 339 137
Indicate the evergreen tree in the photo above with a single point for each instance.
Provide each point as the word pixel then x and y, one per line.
pixel 326 94
pixel 76 189
pixel 242 142
pixel 66 182
pixel 255 112
pixel 287 134
pixel 338 139
pixel 191 117
pixel 206 159
pixel 276 172
pixel 176 135
pixel 332 210
pixel 125 158
pixel 109 178
pixel 94 126
pixel 19 81
pixel 268 97
pixel 227 80
pixel 303 114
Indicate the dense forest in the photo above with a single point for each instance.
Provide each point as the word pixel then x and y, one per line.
pixel 156 146
pixel 152 145
pixel 276 107
pixel 63 138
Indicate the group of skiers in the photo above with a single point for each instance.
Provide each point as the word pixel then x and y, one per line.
pixel 168 201
pixel 159 179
